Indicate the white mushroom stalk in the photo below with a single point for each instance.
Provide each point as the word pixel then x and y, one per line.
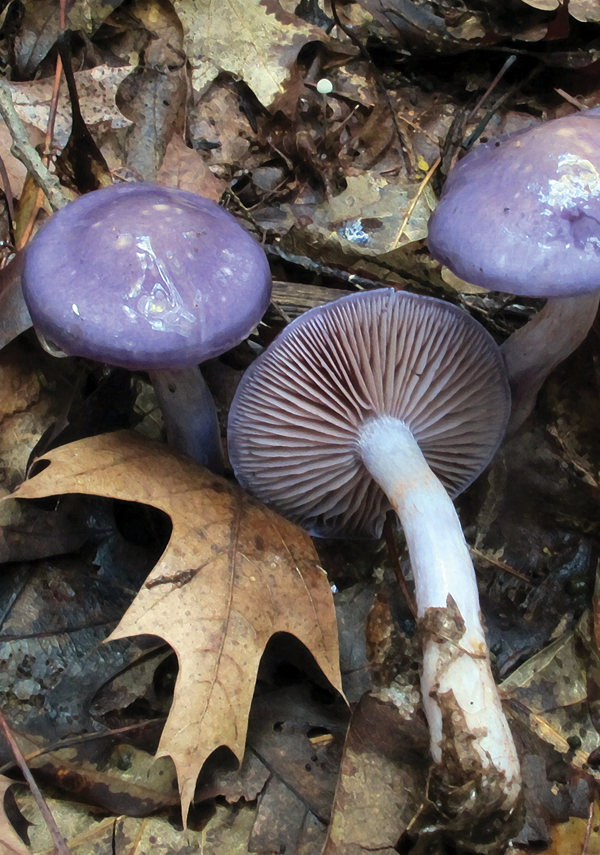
pixel 460 697
pixel 389 400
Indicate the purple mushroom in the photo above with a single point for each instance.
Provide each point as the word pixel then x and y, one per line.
pixel 522 215
pixel 150 278
pixel 390 400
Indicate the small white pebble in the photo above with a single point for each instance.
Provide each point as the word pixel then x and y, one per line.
pixel 324 86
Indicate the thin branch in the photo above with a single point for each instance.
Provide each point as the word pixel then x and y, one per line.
pixel 60 844
pixel 413 204
pixel 26 153
pixel 388 534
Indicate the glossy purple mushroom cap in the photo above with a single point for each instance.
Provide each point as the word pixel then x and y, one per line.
pixel 145 277
pixel 296 419
pixel 523 215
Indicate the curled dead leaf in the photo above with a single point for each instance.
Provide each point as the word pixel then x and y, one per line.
pixel 10 842
pixel 233 574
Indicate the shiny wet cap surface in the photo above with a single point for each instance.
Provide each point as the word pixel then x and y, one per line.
pixel 145 276
pixel 523 215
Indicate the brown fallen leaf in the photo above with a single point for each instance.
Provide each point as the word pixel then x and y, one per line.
pixel 10 842
pixel 14 315
pixel 184 168
pixel 97 88
pixel 88 832
pixel 383 777
pixel 234 574
pixel 255 39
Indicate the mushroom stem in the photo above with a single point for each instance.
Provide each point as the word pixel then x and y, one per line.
pixel 190 415
pixel 537 348
pixel 471 742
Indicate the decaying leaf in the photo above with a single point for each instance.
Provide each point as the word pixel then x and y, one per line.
pixel 255 39
pixel 97 88
pixel 578 836
pixel 382 784
pixel 233 575
pixel 152 100
pixel 89 834
pixel 14 315
pixel 183 167
pixel 549 693
pixel 582 10
pixel 40 27
pixel 27 408
pixel 368 216
pixel 10 842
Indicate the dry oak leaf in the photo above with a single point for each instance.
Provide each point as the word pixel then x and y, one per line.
pixel 233 574
pixel 10 842
pixel 255 39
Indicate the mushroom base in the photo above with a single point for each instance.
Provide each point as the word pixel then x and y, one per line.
pixel 471 742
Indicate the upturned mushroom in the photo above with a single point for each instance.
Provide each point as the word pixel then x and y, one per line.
pixel 522 215
pixel 150 278
pixel 388 399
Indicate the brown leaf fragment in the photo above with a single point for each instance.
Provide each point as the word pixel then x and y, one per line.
pixel 40 27
pixel 382 782
pixel 10 842
pixel 254 39
pixel 578 836
pixel 97 88
pixel 225 832
pixel 279 820
pixel 184 168
pixel 14 316
pixel 16 171
pixel 27 408
pixel 151 99
pixel 234 574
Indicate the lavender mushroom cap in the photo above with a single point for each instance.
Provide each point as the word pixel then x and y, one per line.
pixel 523 215
pixel 145 277
pixel 295 422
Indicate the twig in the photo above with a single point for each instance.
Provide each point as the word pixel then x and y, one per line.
pixel 83 738
pixel 501 565
pixel 491 87
pixel 418 194
pixel 60 844
pixel 388 534
pixel 403 139
pixel 495 107
pixel 23 150
pixel 353 280
pixel 569 99
pixel 8 193
pixel 588 831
